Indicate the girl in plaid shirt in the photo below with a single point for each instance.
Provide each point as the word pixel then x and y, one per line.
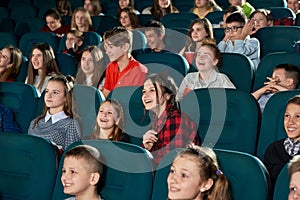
pixel 170 127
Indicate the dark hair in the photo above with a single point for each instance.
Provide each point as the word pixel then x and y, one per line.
pixel 49 64
pixel 99 68
pixel 237 17
pixel 208 169
pixel 156 11
pixel 134 20
pixel 131 4
pixel 62 6
pixel 294 165
pixel 68 82
pixel 265 12
pixel 91 155
pixel 53 12
pixel 97 8
pixel 294 100
pixel 117 132
pixel 16 61
pixel 291 71
pixel 232 9
pixel 156 26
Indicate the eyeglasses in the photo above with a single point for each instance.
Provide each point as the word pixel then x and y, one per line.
pixel 232 29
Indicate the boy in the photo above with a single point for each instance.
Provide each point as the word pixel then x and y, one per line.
pixel 237 38
pixel 155 34
pixel 284 77
pixel 123 69
pixel 81 172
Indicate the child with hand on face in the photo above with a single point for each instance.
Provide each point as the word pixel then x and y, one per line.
pixel 74 41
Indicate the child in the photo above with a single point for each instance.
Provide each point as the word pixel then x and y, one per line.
pixel 170 127
pixel 155 33
pixel 64 7
pixel 231 9
pixel 10 63
pixel 127 3
pixel 160 8
pixel 195 174
pixel 57 123
pixel 74 42
pixel 207 62
pixel 110 122
pixel 81 172
pixel 93 7
pixel 282 151
pixel 237 38
pixel 41 66
pixel 200 29
pixel 294 173
pixel 247 8
pixel 293 5
pixel 81 20
pixel 284 77
pixel 123 69
pixel 92 69
pixel 128 19
pixel 54 23
pixel 202 7
pixel 262 18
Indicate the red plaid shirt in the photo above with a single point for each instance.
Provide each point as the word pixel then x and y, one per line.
pixel 175 130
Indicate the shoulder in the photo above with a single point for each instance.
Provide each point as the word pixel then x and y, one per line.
pixel 147 10
pixel 275 146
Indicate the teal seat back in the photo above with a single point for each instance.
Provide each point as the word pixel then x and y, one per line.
pixel 23 70
pixel 139 40
pixel 104 23
pixel 144 18
pixel 28 167
pixel 86 102
pixel 267 3
pixel 28 40
pixel 173 64
pixel 241 74
pixel 218 34
pixel 282 39
pixel 183 6
pixel 21 12
pixel 241 169
pixel 22 99
pixel 281 190
pixel 181 19
pixel 223 117
pixel 7 24
pixel 272 128
pixel 66 63
pixel 281 12
pixel 269 62
pixel 215 17
pixel 34 24
pixel 128 173
pixel 8 38
pixel 137 120
pixel 173 34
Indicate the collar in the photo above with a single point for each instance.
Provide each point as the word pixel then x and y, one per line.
pixel 212 78
pixel 56 117
pixel 291 146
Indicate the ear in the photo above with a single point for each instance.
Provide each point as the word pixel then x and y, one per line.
pixel 161 37
pixel 216 62
pixel 290 82
pixel 206 185
pixel 117 121
pixel 95 177
pixel 125 47
pixel 80 43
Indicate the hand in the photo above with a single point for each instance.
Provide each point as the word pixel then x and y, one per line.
pixel 248 29
pixel 149 138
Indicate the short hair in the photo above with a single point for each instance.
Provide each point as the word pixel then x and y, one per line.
pixel 232 9
pixel 118 36
pixel 91 155
pixel 291 71
pixel 53 12
pixel 78 34
pixel 294 165
pixel 236 17
pixel 156 26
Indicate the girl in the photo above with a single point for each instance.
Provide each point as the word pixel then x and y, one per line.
pixel 282 151
pixel 293 5
pixel 207 61
pixel 54 23
pixel 294 173
pixel 93 7
pixel 92 69
pixel 202 7
pixel 129 19
pixel 74 42
pixel 195 174
pixel 160 8
pixel 110 122
pixel 64 7
pixel 10 62
pixel 262 18
pixel 57 123
pixel 127 3
pixel 170 128
pixel 81 20
pixel 200 29
pixel 42 65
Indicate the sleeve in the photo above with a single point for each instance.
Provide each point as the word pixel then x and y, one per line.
pixel 107 83
pixel 246 47
pixel 227 82
pixel 72 133
pixel 147 11
pixel 222 46
pixel 9 124
pixel 182 88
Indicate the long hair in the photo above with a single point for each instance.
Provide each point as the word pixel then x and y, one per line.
pixel 49 64
pixel 64 7
pixel 68 83
pixel 131 4
pixel 207 163
pixel 157 12
pixel 99 67
pixel 15 61
pixel 117 132
pixel 97 8
pixel 87 18
pixel 134 20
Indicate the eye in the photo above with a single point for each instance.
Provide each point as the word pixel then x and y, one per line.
pixel 110 112
pixel 293 189
pixel 63 171
pixel 297 116
pixel 183 175
pixel 143 92
pixel 286 115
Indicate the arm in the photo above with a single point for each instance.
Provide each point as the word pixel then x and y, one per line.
pixel 149 138
pixel 72 133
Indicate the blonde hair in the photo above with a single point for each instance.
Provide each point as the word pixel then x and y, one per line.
pixel 87 18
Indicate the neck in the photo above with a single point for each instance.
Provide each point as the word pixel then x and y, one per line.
pixel 40 72
pixel 91 195
pixel 205 75
pixel 83 28
pixel 104 133
pixel 123 62
pixel 160 109
pixel 53 111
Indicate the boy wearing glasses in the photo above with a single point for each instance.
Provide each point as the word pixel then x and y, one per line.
pixel 237 38
pixel 123 69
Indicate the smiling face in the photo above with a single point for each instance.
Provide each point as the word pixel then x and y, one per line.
pixel 124 3
pixel 55 98
pixel 200 3
pixel 260 20
pixel 37 59
pixel 154 41
pixel 87 64
pixel 198 32
pixel 293 5
pixel 125 20
pixel 164 3
pixel 76 176
pixel 205 60
pixel 4 58
pixel 292 121
pixel 107 116
pixel 53 23
pixel 294 186
pixel 184 181
pixel 114 52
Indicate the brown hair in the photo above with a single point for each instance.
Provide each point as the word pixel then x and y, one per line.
pixel 87 18
pixel 291 71
pixel 97 9
pixel 134 20
pixel 156 11
pixel 294 165
pixel 16 61
pixel 211 44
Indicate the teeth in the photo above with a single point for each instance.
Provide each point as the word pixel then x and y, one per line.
pixel 68 184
